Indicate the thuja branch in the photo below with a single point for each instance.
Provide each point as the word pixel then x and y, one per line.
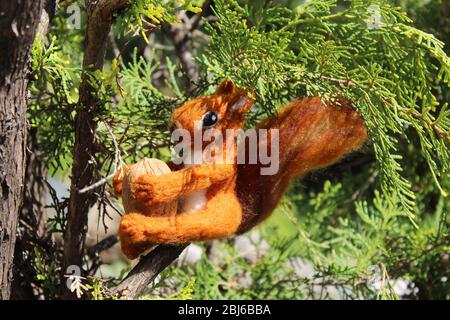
pixel 439 131
pixel 340 14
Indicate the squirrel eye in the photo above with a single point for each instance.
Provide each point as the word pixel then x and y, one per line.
pixel 210 119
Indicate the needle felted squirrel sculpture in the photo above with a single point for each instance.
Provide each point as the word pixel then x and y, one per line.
pixel 219 199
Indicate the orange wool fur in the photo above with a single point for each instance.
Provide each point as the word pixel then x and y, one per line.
pixel 218 200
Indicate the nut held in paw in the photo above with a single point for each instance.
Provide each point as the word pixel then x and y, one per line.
pixel 145 166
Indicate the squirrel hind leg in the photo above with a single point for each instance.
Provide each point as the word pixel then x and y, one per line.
pixel 132 241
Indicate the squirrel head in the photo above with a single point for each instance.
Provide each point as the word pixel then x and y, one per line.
pixel 221 111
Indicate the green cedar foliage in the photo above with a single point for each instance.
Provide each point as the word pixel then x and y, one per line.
pixel 376 218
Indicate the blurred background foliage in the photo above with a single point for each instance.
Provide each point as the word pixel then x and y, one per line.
pixel 374 225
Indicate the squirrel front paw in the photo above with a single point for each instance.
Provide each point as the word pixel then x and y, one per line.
pixel 146 190
pixel 132 235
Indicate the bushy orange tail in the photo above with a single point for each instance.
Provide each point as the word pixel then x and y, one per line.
pixel 312 136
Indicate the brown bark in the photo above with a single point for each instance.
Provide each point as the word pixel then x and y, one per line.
pixel 33 208
pixel 32 221
pixel 31 230
pixel 84 169
pixel 34 196
pixel 17 30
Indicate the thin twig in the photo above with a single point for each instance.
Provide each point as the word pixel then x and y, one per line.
pixel 365 186
pixel 103 245
pixel 118 163
pixel 431 124
pixel 342 82
pixel 98 183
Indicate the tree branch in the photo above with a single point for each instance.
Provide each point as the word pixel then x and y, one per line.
pixel 100 15
pixel 195 20
pixel 146 271
pixel 182 34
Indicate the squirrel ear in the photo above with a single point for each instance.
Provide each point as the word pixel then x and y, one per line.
pixel 243 104
pixel 226 87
